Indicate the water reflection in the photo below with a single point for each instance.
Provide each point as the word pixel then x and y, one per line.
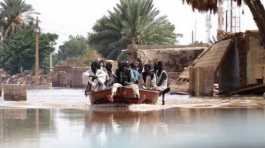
pixel 20 126
pixel 123 128
pixel 178 127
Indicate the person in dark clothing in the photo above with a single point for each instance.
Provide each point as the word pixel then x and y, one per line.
pixel 149 77
pixel 139 65
pixel 124 78
pixel 123 74
pixel 111 76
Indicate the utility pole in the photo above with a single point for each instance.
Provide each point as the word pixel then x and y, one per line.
pixel 37 48
pixel 51 62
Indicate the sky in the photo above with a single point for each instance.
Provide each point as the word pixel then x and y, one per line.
pixel 77 17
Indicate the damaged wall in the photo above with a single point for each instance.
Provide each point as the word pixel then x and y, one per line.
pixel 175 58
pixel 67 76
pixel 242 65
pixel 204 69
pixel 255 58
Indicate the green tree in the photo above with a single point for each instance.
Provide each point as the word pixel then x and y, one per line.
pixel 75 47
pixel 131 22
pixel 255 6
pixel 18 50
pixel 13 15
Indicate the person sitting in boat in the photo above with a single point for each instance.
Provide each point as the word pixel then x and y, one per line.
pixel 111 76
pixel 149 78
pixel 136 76
pixel 102 65
pixel 95 78
pixel 124 78
pixel 139 65
pixel 161 77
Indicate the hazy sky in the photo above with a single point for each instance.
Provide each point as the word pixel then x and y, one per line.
pixel 73 17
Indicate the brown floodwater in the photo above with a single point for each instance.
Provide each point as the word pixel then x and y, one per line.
pixel 75 99
pixel 67 120
pixel 121 128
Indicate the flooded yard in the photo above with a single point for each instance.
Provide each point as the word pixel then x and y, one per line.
pixel 64 118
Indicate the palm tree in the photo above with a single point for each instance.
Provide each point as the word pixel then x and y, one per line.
pixel 13 15
pixel 131 22
pixel 255 6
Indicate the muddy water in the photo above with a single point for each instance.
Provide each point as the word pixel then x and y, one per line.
pixel 67 120
pixel 75 99
pixel 192 128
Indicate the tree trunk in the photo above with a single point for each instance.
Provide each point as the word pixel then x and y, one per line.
pixel 258 13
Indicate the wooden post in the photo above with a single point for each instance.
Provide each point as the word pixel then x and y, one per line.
pixel 37 48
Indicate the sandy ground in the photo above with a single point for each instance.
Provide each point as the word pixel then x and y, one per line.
pixel 74 99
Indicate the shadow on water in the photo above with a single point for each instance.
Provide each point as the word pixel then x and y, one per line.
pixel 120 127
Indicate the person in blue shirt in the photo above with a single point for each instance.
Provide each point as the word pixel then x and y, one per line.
pixel 135 75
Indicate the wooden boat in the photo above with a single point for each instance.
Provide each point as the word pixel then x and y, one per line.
pixel 124 96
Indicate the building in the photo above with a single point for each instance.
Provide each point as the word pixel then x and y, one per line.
pixel 234 63
pixel 68 76
pixel 175 59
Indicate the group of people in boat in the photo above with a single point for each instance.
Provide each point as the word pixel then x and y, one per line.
pixel 131 75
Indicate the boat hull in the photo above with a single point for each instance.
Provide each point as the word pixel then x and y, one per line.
pixel 124 96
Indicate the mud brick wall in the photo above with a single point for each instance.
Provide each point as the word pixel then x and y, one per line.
pixel 64 76
pixel 175 58
pixel 15 92
pixel 76 77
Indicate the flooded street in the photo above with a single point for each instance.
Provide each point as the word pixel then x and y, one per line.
pixel 205 128
pixel 64 118
pixel 74 99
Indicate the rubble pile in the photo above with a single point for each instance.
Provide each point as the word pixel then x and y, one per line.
pixel 26 78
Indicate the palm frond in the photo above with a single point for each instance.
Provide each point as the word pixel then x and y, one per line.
pixel 207 5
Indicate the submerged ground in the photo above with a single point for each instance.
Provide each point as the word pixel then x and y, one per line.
pixel 64 118
pixel 75 99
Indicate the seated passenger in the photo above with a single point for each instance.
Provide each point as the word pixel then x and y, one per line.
pixel 149 78
pixel 111 76
pixel 139 65
pixel 102 65
pixel 161 77
pixel 136 76
pixel 124 78
pixel 94 78
pixel 102 77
